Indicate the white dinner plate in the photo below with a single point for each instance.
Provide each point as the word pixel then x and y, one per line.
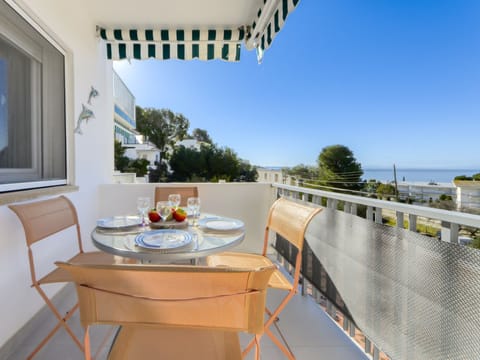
pixel 163 239
pixel 221 224
pixel 119 222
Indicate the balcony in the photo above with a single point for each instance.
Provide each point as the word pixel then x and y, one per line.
pixel 420 292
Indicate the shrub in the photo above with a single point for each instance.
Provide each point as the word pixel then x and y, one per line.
pixel 463 177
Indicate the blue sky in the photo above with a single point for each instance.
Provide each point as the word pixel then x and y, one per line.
pixel 397 81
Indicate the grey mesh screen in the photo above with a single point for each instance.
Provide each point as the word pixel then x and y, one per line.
pixel 415 297
pixel 313 271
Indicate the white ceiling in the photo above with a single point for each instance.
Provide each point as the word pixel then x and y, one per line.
pixel 159 13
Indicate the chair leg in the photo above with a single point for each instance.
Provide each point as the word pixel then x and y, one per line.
pixel 285 349
pixel 86 342
pixel 249 347
pixel 62 322
pixel 257 347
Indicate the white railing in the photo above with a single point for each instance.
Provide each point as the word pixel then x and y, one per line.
pixel 449 221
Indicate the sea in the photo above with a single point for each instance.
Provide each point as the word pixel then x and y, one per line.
pixel 417 175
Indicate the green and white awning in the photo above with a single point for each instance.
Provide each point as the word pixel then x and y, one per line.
pixel 268 23
pixel 199 43
pixel 165 44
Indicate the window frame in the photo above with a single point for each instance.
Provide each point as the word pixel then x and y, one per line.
pixel 53 40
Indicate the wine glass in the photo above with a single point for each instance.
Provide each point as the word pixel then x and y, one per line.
pixel 193 204
pixel 143 203
pixel 174 200
pixel 164 208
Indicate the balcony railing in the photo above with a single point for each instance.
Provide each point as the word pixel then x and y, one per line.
pixel 411 295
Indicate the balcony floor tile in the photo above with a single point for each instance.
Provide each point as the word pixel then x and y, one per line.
pixel 310 332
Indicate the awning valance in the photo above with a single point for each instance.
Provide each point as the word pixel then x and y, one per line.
pixel 164 44
pixel 187 43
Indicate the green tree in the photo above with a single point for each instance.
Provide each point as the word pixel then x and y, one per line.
pixel 139 166
pixel 338 168
pixel 386 190
pixel 121 161
pixel 247 172
pixel 202 136
pixel 302 171
pixel 162 127
pixel 186 164
pixel 463 177
pixel 371 186
pixel 210 163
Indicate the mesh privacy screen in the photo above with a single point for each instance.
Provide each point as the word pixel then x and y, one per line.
pixel 415 297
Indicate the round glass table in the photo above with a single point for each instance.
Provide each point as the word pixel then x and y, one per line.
pixel 203 241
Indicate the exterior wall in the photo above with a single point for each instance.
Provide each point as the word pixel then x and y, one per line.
pixel 269 175
pixel 123 111
pixel 468 194
pixel 70 25
pixel 424 191
pixel 143 151
pixel 190 144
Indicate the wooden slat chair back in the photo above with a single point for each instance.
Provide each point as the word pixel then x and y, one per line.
pixel 289 219
pixel 40 220
pixel 171 312
pixel 161 193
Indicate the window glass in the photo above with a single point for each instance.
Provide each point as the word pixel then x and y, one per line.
pixel 32 106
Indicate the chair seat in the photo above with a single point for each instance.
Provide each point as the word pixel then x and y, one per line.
pixel 239 260
pixel 95 257
pixel 170 343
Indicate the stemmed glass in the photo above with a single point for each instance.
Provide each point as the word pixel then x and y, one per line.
pixel 174 200
pixel 193 204
pixel 164 208
pixel 143 203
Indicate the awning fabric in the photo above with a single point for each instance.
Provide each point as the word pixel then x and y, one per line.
pixel 268 23
pixel 167 44
pixel 196 43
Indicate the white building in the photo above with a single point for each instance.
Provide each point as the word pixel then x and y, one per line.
pixel 425 192
pixel 123 112
pixel 124 116
pixel 270 175
pixel 468 194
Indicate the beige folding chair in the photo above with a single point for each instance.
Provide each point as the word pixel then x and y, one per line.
pixel 289 219
pixel 40 220
pixel 161 193
pixel 171 312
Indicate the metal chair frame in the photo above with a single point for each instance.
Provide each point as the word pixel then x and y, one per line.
pixel 169 304
pixel 41 220
pixel 288 219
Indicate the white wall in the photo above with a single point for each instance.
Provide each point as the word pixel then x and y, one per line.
pixel 68 23
pixel 248 202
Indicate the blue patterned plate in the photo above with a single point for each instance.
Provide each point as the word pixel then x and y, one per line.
pixel 163 239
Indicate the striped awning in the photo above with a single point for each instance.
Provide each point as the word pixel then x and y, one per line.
pixel 199 43
pixel 268 23
pixel 165 44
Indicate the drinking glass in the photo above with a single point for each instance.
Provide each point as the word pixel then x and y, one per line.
pixel 174 200
pixel 193 204
pixel 164 208
pixel 143 203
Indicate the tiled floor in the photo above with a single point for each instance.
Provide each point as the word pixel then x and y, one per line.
pixel 310 332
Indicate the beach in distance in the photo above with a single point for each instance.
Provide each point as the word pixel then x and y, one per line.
pixel 417 175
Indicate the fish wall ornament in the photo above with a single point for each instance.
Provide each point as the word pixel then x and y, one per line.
pixel 93 94
pixel 85 115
